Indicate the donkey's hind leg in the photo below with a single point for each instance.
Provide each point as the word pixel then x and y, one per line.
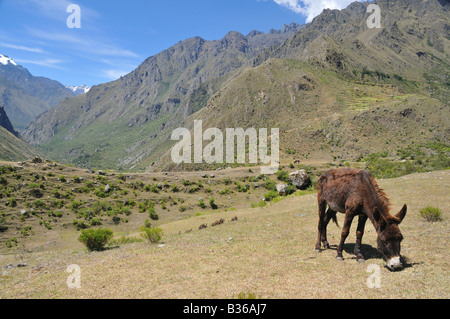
pixel 321 227
pixel 331 214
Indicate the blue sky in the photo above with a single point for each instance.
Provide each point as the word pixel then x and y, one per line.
pixel 116 36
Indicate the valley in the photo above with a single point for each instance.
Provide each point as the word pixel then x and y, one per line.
pixel 137 154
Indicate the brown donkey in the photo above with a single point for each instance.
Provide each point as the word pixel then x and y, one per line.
pixel 355 192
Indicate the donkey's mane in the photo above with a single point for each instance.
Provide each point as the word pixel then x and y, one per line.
pixel 381 195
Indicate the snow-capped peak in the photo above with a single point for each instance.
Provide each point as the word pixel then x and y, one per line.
pixel 5 60
pixel 78 89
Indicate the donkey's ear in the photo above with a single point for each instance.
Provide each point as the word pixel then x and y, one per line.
pixel 401 214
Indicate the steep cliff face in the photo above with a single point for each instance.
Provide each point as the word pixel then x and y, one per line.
pixel 12 148
pixel 5 122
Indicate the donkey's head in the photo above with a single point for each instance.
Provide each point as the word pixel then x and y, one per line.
pixel 390 237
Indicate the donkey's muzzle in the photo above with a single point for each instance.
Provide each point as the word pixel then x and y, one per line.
pixel 394 263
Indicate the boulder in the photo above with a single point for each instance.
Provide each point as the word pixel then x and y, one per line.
pixel 281 189
pixel 300 179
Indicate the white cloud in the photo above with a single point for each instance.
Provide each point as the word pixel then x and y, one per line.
pixel 50 63
pixel 312 8
pixel 114 74
pixel 21 47
pixel 89 45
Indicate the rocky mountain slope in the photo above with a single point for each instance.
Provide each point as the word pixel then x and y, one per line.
pixel 118 124
pixel 337 90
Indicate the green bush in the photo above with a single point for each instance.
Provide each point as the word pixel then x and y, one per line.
pixel 282 176
pixel 152 212
pixel 95 239
pixel 270 185
pixel 271 195
pixel 212 203
pixel 153 235
pixel 431 214
pixel 12 202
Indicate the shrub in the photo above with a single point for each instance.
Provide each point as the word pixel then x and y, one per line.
pixel 142 207
pixel 194 189
pixel 80 224
pixel 147 223
pixel 270 185
pixel 39 204
pixel 35 192
pixel 74 205
pixel 248 295
pixel 431 214
pixel 283 176
pixel 76 179
pixel 96 221
pixel 95 239
pixel 152 213
pixel 12 202
pixel 212 203
pixel 3 181
pixel 271 195
pixel 153 235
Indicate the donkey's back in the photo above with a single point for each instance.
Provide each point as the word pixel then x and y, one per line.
pixel 348 187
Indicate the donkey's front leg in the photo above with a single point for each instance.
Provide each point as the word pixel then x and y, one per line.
pixel 345 231
pixel 359 234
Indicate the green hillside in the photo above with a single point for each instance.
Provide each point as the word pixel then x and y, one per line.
pixel 14 149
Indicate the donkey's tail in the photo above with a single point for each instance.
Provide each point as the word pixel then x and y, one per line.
pixel 335 220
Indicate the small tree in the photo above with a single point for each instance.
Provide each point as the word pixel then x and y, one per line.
pixel 95 239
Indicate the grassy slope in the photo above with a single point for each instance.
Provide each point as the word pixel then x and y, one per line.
pixel 322 115
pixel 267 251
pixel 13 148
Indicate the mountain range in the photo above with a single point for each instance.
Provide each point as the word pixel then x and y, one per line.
pixel 336 88
pixel 25 96
pixel 79 89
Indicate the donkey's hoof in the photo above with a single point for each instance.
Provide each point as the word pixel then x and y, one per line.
pixel 360 260
pixel 340 258
pixel 317 250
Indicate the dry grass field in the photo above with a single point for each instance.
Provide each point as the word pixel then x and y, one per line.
pixel 267 251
